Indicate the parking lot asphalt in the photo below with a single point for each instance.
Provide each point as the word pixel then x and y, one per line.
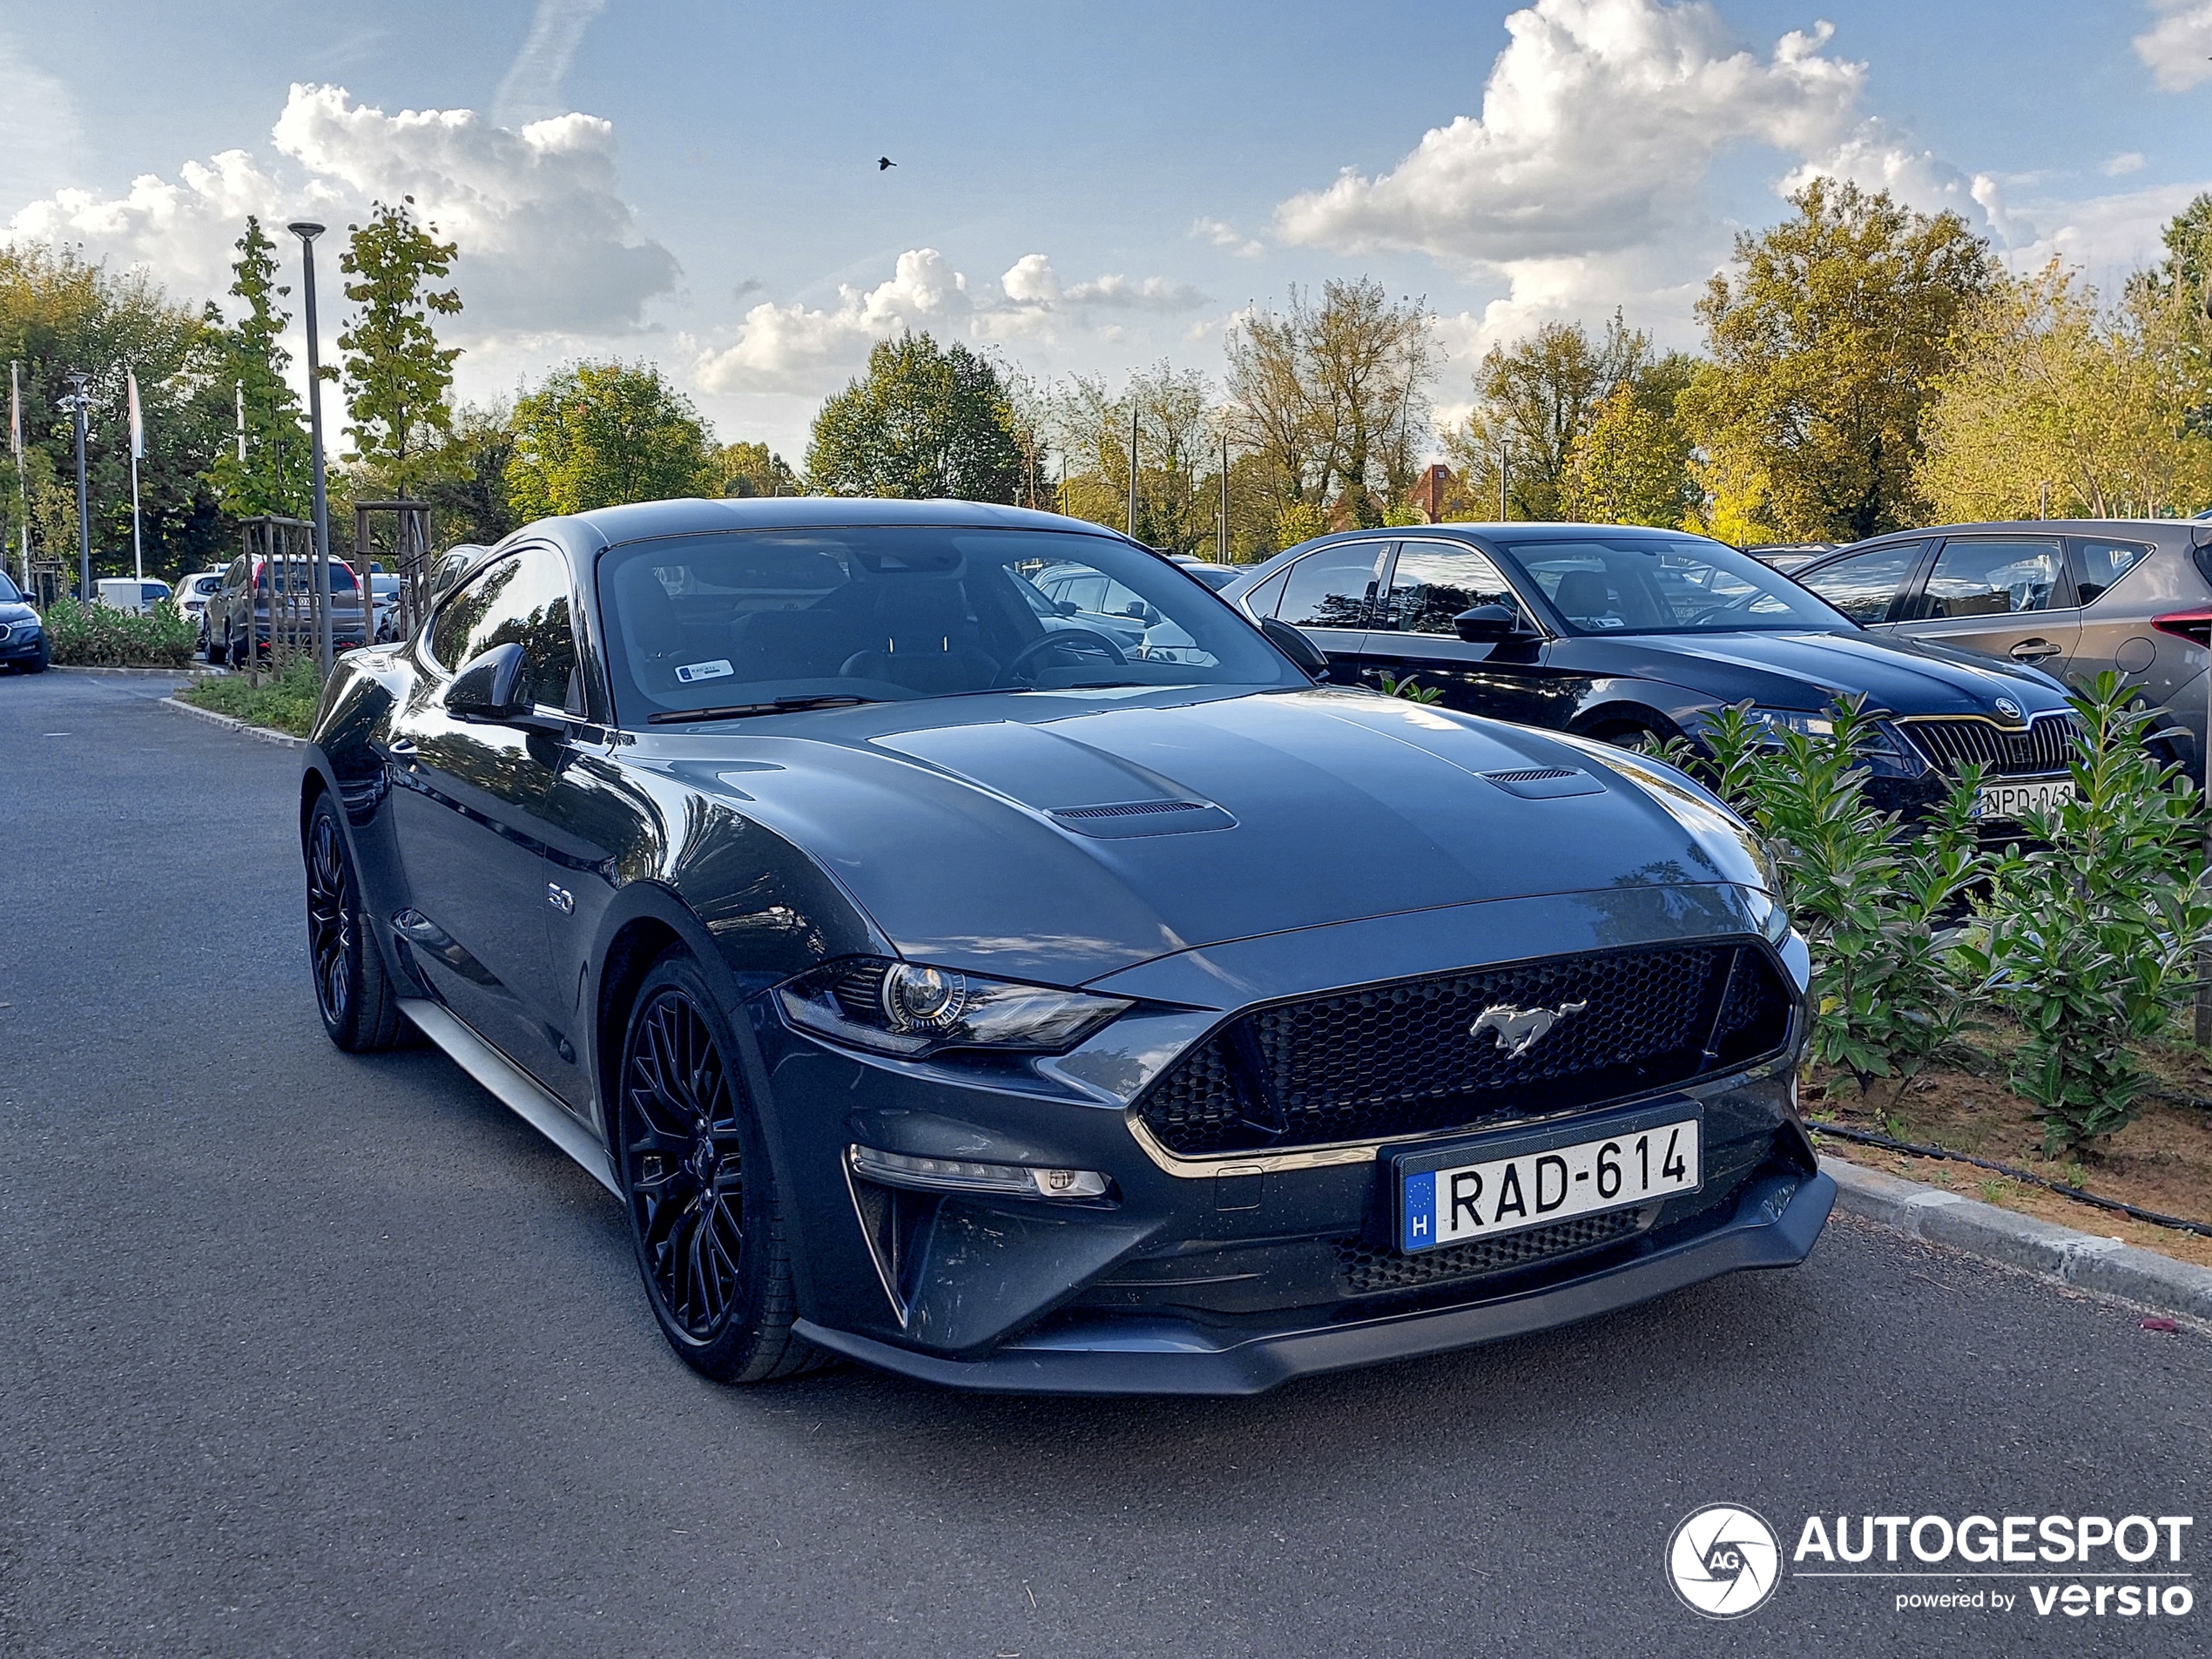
pixel 301 1353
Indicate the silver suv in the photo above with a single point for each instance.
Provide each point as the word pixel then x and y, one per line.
pixel 2074 596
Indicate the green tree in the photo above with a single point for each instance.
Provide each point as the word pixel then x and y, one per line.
pixel 2056 395
pixel 274 475
pixel 1827 344
pixel 925 421
pixel 1535 399
pixel 1176 438
pixel 397 376
pixel 597 434
pixel 466 488
pixel 749 470
pixel 1629 466
pixel 57 314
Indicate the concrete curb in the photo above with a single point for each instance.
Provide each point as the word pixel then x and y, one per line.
pixel 199 673
pixel 2105 1266
pixel 266 734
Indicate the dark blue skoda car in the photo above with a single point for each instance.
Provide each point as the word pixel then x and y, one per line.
pixel 1636 636
pixel 940 981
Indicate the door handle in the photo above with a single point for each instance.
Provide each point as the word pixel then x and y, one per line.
pixel 2034 650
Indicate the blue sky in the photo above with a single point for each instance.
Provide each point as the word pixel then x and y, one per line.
pixel 1083 187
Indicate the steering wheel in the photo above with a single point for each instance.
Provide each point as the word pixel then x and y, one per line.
pixel 1087 641
pixel 1742 601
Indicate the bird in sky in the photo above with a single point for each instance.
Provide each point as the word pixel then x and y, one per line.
pixel 883 163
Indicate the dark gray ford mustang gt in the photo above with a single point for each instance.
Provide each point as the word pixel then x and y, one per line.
pixel 943 982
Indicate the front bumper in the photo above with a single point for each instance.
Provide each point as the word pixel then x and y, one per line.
pixel 1775 1224
pixel 1228 1274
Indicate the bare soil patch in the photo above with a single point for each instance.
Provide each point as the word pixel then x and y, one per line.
pixel 2162 1160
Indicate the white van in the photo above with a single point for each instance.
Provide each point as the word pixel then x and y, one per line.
pixel 128 593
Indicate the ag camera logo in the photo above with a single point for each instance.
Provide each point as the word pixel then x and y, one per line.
pixel 1723 1561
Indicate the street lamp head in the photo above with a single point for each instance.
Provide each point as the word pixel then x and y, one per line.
pixel 306 229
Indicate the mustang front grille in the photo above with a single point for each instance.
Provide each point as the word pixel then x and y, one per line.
pixel 1414 1056
pixel 2046 745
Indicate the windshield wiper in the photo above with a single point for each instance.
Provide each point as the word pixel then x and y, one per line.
pixel 739 711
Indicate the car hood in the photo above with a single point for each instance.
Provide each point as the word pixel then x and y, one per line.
pixel 964 827
pixel 1808 671
pixel 13 612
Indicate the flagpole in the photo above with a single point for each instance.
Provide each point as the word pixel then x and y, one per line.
pixel 23 490
pixel 137 449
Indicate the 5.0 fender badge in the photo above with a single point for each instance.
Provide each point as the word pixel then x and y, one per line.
pixel 1518 1030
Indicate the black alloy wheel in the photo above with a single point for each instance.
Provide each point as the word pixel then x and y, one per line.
pixel 354 995
pixel 702 1198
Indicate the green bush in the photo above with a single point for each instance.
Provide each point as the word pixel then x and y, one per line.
pixel 97 637
pixel 2087 937
pixel 288 701
pixel 1869 898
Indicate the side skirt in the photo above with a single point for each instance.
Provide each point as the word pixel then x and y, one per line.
pixel 516 1090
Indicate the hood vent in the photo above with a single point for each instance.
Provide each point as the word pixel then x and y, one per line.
pixel 1545 783
pixel 1119 820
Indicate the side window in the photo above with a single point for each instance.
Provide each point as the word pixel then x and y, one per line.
pixel 522 599
pixel 2099 564
pixel 1333 588
pixel 1994 576
pixel 1863 585
pixel 1263 599
pixel 1433 583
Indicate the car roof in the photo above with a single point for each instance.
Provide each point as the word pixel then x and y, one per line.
pixel 2184 529
pixel 640 521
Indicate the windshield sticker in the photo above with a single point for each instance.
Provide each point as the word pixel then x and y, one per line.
pixel 714 670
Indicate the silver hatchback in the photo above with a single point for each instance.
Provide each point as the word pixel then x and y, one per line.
pixel 2071 597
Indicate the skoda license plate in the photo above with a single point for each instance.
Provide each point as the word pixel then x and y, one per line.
pixel 1483 1189
pixel 2017 800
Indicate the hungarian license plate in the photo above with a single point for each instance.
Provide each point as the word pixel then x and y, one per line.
pixel 1488 1187
pixel 2017 800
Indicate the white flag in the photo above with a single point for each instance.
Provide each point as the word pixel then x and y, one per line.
pixel 138 421
pixel 14 416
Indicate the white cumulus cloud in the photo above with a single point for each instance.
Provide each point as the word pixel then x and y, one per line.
pixel 798 348
pixel 802 349
pixel 1583 183
pixel 2177 48
pixel 548 247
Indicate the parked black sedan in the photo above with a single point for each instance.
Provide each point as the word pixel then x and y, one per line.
pixel 984 1000
pixel 1634 636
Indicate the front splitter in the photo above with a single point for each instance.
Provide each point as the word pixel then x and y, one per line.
pixel 1170 1357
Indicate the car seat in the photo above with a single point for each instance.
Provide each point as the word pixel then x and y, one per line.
pixel 927 641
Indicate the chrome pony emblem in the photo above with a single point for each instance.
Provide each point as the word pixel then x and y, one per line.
pixel 1519 1030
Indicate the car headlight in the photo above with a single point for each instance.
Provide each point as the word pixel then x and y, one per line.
pixel 1884 755
pixel 911 1009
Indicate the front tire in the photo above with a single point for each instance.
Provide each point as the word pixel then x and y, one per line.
pixel 359 1008
pixel 705 1216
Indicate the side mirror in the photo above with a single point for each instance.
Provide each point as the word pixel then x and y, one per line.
pixel 1296 646
pixel 1488 621
pixel 489 688
pixel 1064 607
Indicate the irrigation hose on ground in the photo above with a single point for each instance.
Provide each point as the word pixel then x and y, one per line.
pixel 1867 1137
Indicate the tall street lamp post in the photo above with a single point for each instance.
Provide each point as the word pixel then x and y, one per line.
pixel 77 402
pixel 307 230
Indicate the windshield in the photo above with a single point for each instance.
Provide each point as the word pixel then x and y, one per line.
pixel 1604 584
pixel 737 618
pixel 8 594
